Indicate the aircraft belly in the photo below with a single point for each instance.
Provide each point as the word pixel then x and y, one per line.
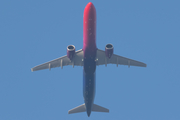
pixel 89 28
pixel 89 84
pixel 89 50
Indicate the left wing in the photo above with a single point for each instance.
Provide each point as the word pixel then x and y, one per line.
pixel 116 59
pixel 62 61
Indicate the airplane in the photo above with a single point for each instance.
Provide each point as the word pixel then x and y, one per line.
pixel 89 57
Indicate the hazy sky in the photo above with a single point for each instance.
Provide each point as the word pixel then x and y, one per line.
pixel 36 31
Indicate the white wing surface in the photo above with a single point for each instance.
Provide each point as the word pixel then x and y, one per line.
pixel 116 59
pixel 62 61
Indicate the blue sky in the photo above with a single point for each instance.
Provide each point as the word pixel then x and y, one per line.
pixel 34 32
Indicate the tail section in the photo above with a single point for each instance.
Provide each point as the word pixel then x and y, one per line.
pixel 81 108
pixel 97 108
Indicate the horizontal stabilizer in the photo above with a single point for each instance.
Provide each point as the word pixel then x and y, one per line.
pixel 97 108
pixel 81 108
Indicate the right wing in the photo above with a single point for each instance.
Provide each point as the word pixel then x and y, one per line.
pixel 116 59
pixel 62 61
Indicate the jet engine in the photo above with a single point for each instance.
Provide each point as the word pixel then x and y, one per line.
pixel 109 50
pixel 70 51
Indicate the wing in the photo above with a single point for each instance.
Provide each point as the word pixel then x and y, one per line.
pixel 62 61
pixel 116 59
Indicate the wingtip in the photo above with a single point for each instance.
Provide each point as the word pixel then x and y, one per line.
pixel 69 112
pixel 31 69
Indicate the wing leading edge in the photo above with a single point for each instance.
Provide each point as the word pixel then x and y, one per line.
pixel 62 61
pixel 116 59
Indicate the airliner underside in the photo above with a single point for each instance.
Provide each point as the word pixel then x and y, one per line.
pixel 89 57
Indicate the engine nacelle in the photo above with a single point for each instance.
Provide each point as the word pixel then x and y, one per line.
pixel 109 50
pixel 70 51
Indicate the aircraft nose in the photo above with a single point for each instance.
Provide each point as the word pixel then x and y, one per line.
pixel 90 5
